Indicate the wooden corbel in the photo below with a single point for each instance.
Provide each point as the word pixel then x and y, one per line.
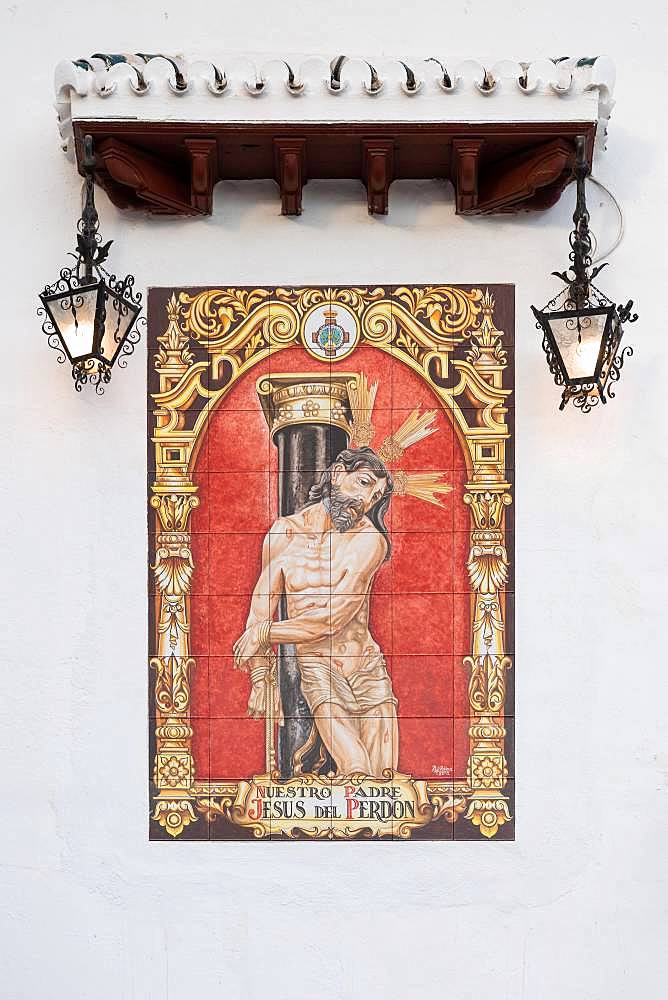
pixel 377 173
pixel 290 173
pixel 464 173
pixel 203 173
pixel 530 180
pixel 134 178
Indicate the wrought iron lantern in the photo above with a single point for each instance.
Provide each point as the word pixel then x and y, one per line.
pixel 89 315
pixel 582 328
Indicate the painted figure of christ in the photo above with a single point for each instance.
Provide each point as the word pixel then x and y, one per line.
pixel 324 559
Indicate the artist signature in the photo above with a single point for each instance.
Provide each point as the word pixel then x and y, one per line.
pixel 440 769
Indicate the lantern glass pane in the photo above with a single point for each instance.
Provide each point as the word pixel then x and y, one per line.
pixel 74 318
pixel 118 318
pixel 614 338
pixel 578 340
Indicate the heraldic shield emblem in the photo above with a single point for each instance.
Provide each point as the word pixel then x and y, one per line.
pixel 330 332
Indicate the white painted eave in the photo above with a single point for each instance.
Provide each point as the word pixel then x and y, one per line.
pixel 240 89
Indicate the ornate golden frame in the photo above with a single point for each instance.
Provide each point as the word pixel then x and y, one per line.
pixel 444 333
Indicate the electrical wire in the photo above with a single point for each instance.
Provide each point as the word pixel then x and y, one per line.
pixel 620 230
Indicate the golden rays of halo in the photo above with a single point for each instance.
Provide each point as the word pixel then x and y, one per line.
pixel 427 486
pixel 421 485
pixel 415 427
pixel 362 397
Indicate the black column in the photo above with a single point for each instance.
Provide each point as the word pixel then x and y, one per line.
pixel 304 451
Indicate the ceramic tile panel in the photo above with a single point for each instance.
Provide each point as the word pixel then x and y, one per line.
pixel 331 563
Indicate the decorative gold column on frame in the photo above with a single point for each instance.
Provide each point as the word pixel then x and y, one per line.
pixel 487 495
pixel 173 498
pixel 487 771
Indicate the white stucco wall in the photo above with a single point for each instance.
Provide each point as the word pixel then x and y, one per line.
pixel 574 908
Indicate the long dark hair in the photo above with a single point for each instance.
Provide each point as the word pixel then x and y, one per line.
pixel 359 458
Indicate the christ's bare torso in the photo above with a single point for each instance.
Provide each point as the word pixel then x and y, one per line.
pixel 314 566
pixel 326 576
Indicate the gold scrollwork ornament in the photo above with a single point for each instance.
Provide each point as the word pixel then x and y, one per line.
pixel 172 682
pixel 209 316
pixel 174 815
pixel 488 813
pixel 174 509
pixel 452 313
pixel 173 565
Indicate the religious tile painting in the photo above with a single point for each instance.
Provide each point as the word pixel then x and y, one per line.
pixel 330 566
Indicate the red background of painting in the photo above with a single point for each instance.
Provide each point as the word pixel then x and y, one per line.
pixel 420 607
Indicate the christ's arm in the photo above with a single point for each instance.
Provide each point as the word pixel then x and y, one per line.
pixel 264 599
pixel 266 593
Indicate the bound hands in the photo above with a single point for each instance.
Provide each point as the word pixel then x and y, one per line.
pixel 252 651
pixel 264 687
pixel 247 646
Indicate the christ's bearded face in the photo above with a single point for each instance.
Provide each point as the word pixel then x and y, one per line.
pixel 352 494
